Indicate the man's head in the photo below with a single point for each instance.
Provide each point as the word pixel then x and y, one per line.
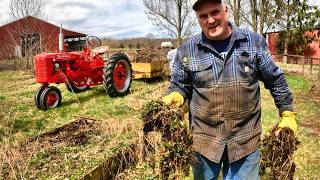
pixel 212 16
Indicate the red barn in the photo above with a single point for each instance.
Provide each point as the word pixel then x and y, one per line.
pixel 34 34
pixel 312 50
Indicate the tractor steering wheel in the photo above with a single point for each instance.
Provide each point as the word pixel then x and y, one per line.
pixel 94 41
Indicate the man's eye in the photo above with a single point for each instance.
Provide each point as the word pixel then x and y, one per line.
pixel 203 16
pixel 214 13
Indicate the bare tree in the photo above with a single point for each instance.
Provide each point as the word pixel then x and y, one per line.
pixel 23 37
pixel 23 8
pixel 235 6
pixel 173 16
pixel 260 15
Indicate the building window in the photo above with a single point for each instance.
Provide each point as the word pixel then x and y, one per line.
pixel 30 45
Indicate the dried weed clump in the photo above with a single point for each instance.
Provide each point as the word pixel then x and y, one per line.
pixel 175 136
pixel 277 154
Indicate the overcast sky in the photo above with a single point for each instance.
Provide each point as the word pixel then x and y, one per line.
pixel 102 18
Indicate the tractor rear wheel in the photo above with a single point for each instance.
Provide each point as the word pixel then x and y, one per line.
pixel 50 98
pixel 75 87
pixel 117 75
pixel 37 97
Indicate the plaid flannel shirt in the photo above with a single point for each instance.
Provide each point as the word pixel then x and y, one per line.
pixel 224 92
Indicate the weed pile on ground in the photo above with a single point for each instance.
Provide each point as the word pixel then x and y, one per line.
pixel 40 153
pixel 277 154
pixel 75 133
pixel 176 138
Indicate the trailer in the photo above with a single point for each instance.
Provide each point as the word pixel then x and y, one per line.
pixel 148 70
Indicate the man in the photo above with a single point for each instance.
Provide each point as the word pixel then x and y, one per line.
pixel 219 72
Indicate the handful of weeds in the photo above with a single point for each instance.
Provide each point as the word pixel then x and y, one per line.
pixel 277 154
pixel 175 136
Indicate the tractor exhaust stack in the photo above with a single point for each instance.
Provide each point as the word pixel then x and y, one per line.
pixel 61 39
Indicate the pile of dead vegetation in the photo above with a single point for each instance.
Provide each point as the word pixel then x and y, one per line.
pixel 277 149
pixel 37 154
pixel 175 151
pixel 149 55
pixel 77 132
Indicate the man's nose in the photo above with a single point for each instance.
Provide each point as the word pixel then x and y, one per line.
pixel 211 19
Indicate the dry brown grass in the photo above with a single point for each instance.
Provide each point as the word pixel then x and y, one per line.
pixel 82 140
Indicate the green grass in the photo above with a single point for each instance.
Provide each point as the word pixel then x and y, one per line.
pixel 307 157
pixel 18 109
pixel 20 120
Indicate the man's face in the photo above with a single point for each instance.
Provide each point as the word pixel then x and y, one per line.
pixel 213 20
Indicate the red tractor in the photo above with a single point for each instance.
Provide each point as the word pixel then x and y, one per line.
pixel 79 71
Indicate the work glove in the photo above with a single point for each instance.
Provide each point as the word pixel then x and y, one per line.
pixel 288 119
pixel 175 99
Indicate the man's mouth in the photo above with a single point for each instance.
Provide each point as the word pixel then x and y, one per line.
pixel 213 26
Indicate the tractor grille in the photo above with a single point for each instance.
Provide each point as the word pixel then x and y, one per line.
pixel 44 67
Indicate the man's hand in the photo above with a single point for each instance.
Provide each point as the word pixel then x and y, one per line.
pixel 174 98
pixel 288 120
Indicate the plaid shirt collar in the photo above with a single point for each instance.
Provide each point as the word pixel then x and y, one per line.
pixel 237 34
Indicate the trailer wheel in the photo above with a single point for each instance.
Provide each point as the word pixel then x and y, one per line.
pixel 50 98
pixel 75 87
pixel 37 97
pixel 117 75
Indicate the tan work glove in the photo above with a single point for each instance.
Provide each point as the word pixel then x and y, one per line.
pixel 175 99
pixel 288 119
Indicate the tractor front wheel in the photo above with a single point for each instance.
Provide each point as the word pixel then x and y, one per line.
pixel 37 97
pixel 117 75
pixel 50 98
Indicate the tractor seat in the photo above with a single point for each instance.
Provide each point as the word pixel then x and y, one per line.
pixel 100 49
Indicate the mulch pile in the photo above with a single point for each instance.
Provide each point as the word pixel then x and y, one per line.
pixel 149 55
pixel 176 138
pixel 277 154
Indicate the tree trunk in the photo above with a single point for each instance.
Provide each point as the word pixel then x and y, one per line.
pixel 254 14
pixel 285 57
pixel 179 38
pixel 262 14
pixel 236 12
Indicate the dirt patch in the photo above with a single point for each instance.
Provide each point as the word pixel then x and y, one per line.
pixel 314 91
pixel 277 154
pixel 312 125
pixel 312 96
pixel 75 133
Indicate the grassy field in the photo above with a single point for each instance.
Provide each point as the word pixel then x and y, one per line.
pixel 307 105
pixel 19 120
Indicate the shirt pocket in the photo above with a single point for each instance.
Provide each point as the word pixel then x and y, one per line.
pixel 202 75
pixel 247 66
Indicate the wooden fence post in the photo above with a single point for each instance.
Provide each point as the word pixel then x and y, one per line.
pixel 318 71
pixel 311 63
pixel 303 63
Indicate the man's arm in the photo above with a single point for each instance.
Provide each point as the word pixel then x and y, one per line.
pixel 180 78
pixel 274 80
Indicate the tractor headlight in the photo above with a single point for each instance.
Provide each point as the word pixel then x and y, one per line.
pixel 56 66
